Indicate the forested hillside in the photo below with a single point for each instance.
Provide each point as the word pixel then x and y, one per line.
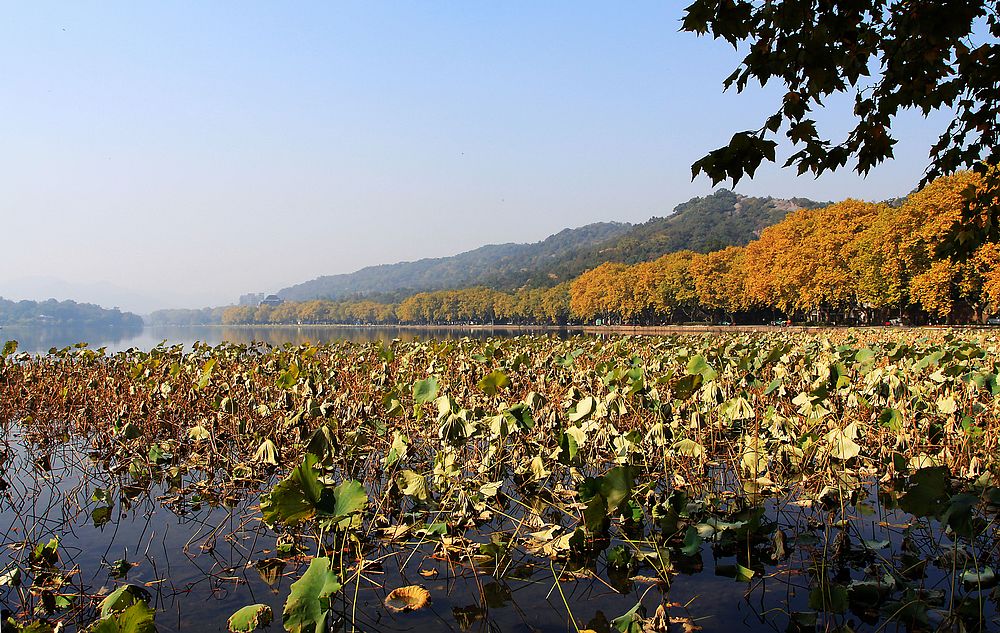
pixel 466 269
pixel 848 262
pixel 54 312
pixel 701 224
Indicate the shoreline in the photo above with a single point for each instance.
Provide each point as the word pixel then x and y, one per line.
pixel 646 330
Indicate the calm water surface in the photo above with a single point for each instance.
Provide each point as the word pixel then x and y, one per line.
pixel 200 557
pixel 39 340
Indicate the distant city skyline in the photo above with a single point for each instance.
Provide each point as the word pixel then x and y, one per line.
pixel 183 154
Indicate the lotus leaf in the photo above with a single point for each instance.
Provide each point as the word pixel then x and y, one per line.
pixel 409 598
pixel 425 390
pixel 492 382
pixel 136 618
pixel 267 453
pixel 311 599
pixel 250 618
pixel 413 484
pixel 122 598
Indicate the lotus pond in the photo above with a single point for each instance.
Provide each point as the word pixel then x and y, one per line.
pixel 749 482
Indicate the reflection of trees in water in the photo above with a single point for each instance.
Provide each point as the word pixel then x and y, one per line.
pixel 318 334
pixel 39 339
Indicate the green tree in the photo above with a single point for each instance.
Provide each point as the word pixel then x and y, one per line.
pixel 892 55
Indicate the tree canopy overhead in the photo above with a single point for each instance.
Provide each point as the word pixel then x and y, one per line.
pixel 893 55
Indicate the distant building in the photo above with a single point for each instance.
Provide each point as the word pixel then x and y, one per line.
pixel 251 299
pixel 271 300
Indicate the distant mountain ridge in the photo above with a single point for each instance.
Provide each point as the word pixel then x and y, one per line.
pixel 465 269
pixel 701 224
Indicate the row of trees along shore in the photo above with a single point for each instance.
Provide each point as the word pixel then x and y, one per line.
pixel 850 262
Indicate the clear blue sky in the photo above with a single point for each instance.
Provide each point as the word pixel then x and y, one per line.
pixel 193 151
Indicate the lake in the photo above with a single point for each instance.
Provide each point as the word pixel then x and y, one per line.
pixel 209 481
pixel 39 340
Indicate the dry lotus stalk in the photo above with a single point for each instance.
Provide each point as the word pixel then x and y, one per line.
pixel 408 598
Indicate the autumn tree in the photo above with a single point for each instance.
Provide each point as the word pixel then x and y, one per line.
pixel 915 238
pixel 598 291
pixel 238 315
pixel 719 281
pixel 987 264
pixel 676 292
pixel 555 304
pixel 802 263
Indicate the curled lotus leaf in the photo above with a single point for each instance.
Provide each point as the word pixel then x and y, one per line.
pixel 689 448
pixel 250 618
pixel 409 598
pixel 199 432
pixel 983 578
pixel 267 453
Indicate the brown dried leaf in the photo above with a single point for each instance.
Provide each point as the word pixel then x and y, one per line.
pixel 409 598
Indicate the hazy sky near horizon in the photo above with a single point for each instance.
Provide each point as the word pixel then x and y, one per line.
pixel 190 152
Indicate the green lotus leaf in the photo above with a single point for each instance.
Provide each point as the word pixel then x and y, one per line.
pixel 493 382
pixel 122 598
pixel 926 493
pixel 136 618
pixel 631 621
pixel 349 498
pixel 397 450
pixel 310 602
pixel 250 618
pixel 692 541
pixel 298 497
pixel 699 366
pixel 413 484
pixel 425 390
pixel 45 553
pixel 830 597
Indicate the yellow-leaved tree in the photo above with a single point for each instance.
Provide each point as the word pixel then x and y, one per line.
pixel 598 291
pixel 720 279
pixel 802 264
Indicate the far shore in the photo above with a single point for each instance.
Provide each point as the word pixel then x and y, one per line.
pixel 649 330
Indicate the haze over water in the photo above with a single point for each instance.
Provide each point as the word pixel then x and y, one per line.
pixel 35 340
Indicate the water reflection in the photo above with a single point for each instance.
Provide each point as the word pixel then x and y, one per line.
pixel 197 546
pixel 39 340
